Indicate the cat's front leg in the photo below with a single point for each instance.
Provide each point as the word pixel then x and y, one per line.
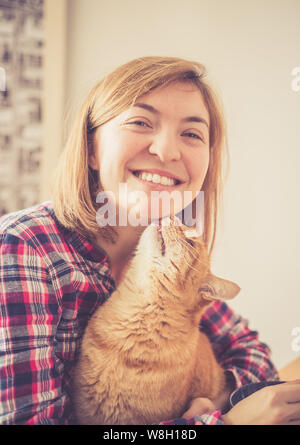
pixel 209 377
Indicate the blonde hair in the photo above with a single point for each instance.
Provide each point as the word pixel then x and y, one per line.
pixel 75 184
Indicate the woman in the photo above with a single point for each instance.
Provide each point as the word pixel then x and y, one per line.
pixel 156 115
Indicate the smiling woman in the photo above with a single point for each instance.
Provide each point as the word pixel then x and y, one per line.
pixel 153 124
pixel 135 106
pixel 155 148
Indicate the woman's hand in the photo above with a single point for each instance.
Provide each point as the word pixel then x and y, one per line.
pixel 271 405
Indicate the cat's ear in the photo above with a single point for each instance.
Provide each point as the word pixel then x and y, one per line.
pixel 216 288
pixel 192 233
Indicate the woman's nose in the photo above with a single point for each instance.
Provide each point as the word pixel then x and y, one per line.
pixel 165 147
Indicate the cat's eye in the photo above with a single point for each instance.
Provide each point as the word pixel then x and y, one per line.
pixel 190 242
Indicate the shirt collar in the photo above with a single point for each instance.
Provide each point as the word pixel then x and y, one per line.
pixel 82 244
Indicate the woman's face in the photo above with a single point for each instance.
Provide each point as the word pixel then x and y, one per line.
pixel 160 144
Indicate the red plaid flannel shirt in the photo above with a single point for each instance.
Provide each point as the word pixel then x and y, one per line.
pixel 51 281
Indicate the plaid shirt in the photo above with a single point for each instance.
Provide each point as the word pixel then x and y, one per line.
pixel 51 281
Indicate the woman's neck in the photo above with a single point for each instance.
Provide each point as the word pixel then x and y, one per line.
pixel 122 251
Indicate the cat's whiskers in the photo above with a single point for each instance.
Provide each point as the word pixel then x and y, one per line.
pixel 190 265
pixel 192 250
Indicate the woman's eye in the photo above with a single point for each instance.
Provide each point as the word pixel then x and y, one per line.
pixel 139 123
pixel 193 136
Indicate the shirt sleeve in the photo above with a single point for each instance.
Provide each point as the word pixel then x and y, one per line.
pixel 30 374
pixel 238 350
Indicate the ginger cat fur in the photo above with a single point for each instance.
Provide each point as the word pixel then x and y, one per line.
pixel 143 357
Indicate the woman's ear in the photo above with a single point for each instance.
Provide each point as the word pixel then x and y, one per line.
pixel 93 162
pixel 93 156
pixel 92 150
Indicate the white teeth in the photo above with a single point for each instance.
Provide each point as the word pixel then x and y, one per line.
pixel 164 180
pixel 157 179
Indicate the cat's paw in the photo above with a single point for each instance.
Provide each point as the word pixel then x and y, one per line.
pixel 199 406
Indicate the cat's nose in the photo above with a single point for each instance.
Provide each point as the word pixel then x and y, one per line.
pixel 168 221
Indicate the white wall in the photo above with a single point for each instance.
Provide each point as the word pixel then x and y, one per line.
pixel 55 19
pixel 250 48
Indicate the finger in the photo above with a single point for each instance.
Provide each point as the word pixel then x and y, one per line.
pixel 290 422
pixel 293 422
pixel 290 413
pixel 289 382
pixel 293 393
pixel 289 391
pixel 292 382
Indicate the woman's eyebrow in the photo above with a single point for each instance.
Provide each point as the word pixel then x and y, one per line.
pixel 148 107
pixel 199 119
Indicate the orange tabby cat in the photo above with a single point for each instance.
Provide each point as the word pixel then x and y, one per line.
pixel 143 357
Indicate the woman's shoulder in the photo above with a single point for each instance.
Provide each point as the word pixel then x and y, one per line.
pixel 36 225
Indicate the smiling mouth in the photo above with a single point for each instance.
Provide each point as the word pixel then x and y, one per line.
pixel 156 179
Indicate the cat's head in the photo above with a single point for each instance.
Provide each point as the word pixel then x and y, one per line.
pixel 177 257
